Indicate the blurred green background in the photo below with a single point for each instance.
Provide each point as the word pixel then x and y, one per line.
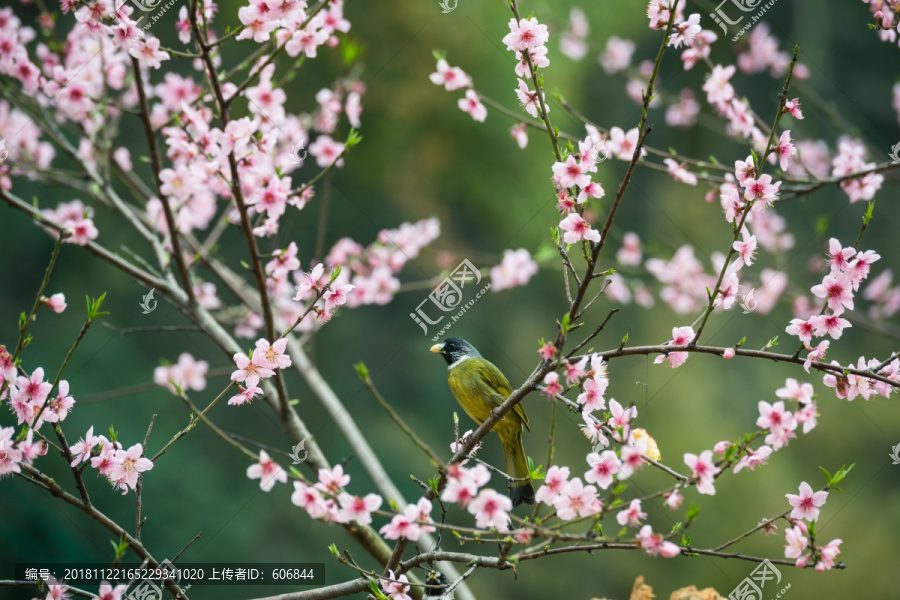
pixel 422 157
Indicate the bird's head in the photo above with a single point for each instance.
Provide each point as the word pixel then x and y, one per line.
pixel 455 350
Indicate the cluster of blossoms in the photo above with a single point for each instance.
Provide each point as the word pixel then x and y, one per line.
pixel 454 78
pixel 886 13
pixel 516 268
pixel 848 269
pixel 574 186
pixel 850 158
pixel 806 506
pixel 120 467
pixel 325 500
pixel 293 27
pixel 76 219
pixel 29 397
pixel 358 276
pixel 188 374
pixel 260 364
pixel 396 587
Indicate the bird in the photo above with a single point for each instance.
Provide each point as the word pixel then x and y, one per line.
pixel 480 387
pixel 435 578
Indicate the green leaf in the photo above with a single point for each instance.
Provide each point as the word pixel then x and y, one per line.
pixel 335 273
pixel 439 54
pixel 685 540
pixel 868 216
pixel 334 550
pixel 692 513
pixel 353 138
pixel 350 50
pixel 362 370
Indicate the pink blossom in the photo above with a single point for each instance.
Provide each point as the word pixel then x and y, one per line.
pixel 81 451
pixel 778 421
pixel 761 188
pixel 806 416
pixel 828 552
pixel 463 484
pixel 632 457
pixel 673 499
pixel 684 113
pixel 525 34
pixel 686 31
pixel 806 504
pixel 753 458
pixel 309 499
pixel 538 58
pixel 554 481
pixel 308 282
pixel 577 229
pixel 802 329
pixel 108 592
pixel 551 385
pixel 327 151
pixel 593 430
pixel 604 467
pixel 472 105
pixel 681 336
pixel 746 248
pixel 128 465
pixel 784 150
pixel 728 353
pixel 592 397
pixel 718 89
pixel 491 509
pixel 630 252
pixel 516 268
pixel 577 499
pixel 529 100
pixel 356 509
pixel 520 134
pixel 703 470
pixel 56 302
pixel 679 172
pixel 859 267
pixel 148 52
pixel 267 471
pixel 617 55
pixel 794 390
pixel 452 78
pixel 251 370
pixel 332 480
pixel 632 515
pixel 796 542
pixel 653 543
pixel 839 257
pixel 245 395
pixel 836 289
pixel 792 107
pixel 570 173
pixel 10 456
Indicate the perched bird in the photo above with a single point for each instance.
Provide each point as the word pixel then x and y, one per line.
pixel 480 387
pixel 435 578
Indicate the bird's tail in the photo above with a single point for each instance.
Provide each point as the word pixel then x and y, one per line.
pixel 517 466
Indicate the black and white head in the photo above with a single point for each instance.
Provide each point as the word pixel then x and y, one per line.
pixel 455 350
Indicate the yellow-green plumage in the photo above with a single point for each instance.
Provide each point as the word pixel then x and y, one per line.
pixel 480 387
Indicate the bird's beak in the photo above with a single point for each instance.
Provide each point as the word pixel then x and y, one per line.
pixel 437 347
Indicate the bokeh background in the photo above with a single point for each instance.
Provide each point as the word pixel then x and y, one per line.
pixel 423 157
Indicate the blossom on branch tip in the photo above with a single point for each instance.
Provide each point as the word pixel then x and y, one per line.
pixel 267 471
pixel 577 229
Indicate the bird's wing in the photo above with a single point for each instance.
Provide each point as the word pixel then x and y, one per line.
pixel 497 382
